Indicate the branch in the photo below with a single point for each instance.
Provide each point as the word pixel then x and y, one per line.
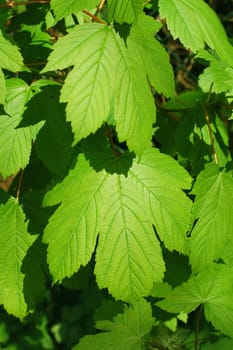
pixel 13 3
pixel 19 184
pixel 95 19
pixel 199 313
pixel 99 8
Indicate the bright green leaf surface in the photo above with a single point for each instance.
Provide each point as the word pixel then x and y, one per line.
pixel 64 8
pixel 124 10
pixel 125 332
pixel 11 58
pixel 106 78
pixel 14 242
pixel 128 258
pixel 161 179
pixel 218 76
pixel 155 59
pixel 212 207
pixel 196 24
pixel 213 288
pixel 15 143
pixel 75 222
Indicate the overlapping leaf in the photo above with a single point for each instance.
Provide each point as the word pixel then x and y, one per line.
pixel 212 210
pixel 124 10
pixel 196 24
pixel 15 143
pixel 14 242
pixel 155 58
pixel 211 287
pixel 218 76
pixel 122 209
pixel 11 60
pixel 106 78
pixel 125 332
pixel 64 8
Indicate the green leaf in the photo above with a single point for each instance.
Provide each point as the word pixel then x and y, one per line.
pixel 63 9
pixel 124 10
pixel 212 210
pixel 15 145
pixel 75 238
pixel 107 79
pixel 225 343
pixel 142 42
pixel 14 242
pixel 162 178
pixel 11 60
pixel 218 76
pixel 125 332
pixel 211 287
pixel 196 24
pixel 128 257
pixel 123 220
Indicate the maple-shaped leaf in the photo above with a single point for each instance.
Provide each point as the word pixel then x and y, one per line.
pixel 15 143
pixel 213 288
pixel 124 10
pixel 14 242
pixel 212 211
pixel 142 42
pixel 196 24
pixel 11 60
pixel 106 80
pixel 122 209
pixel 126 331
pixel 64 8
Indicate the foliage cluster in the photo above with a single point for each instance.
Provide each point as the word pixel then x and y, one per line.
pixel 116 175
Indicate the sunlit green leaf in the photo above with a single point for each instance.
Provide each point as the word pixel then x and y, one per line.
pixel 125 332
pixel 14 242
pixel 211 287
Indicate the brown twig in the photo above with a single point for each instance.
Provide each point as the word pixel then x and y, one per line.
pixel 99 7
pixel 13 3
pixel 95 19
pixel 109 134
pixel 19 184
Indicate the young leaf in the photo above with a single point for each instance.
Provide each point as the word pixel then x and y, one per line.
pixel 142 42
pixel 14 243
pixel 125 332
pixel 124 10
pixel 106 79
pixel 211 287
pixel 196 24
pixel 212 210
pixel 64 8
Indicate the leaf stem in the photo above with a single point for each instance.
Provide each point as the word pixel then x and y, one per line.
pixel 109 134
pixel 95 19
pixel 207 118
pixel 99 7
pixel 199 313
pixel 19 184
